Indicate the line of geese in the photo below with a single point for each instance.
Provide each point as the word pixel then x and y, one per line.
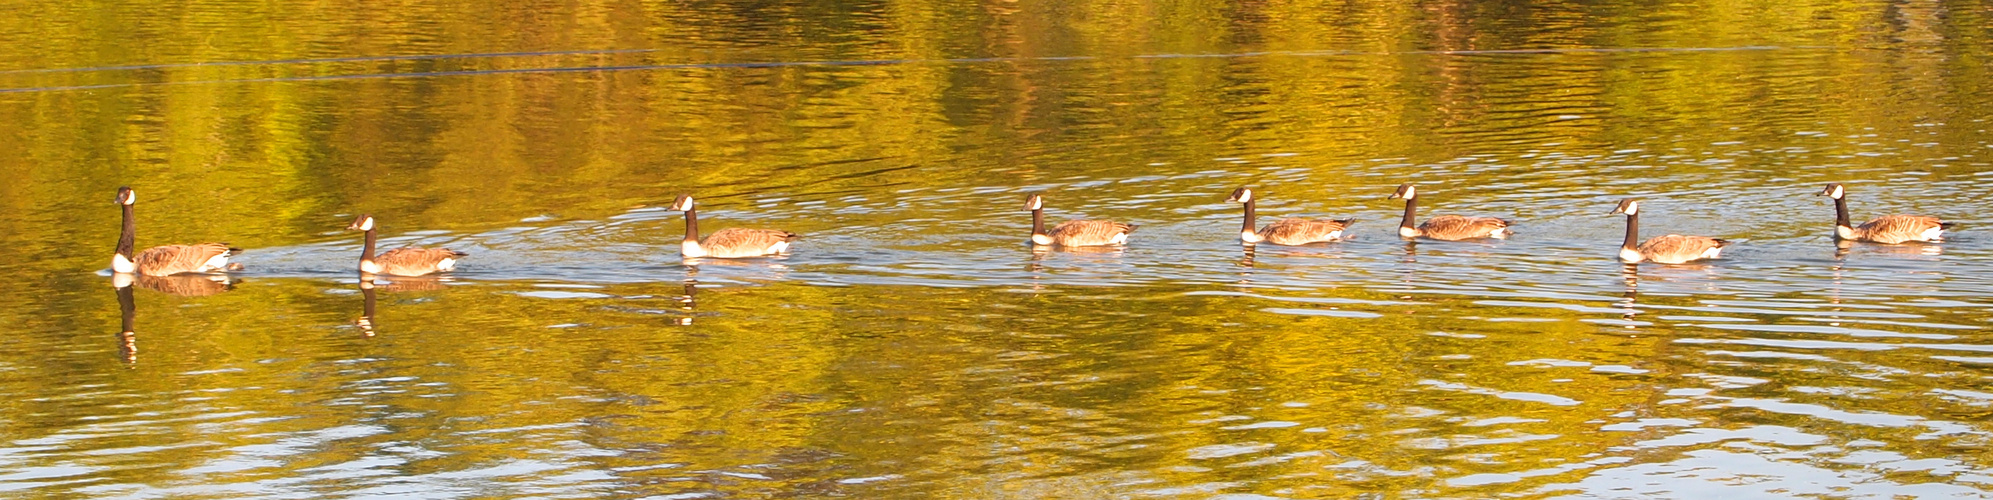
pixel 737 242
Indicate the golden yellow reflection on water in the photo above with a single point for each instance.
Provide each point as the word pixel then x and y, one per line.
pixel 913 345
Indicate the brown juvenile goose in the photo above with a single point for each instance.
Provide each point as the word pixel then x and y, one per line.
pixel 1445 227
pixel 729 243
pixel 1074 233
pixel 1890 229
pixel 406 261
pixel 167 259
pixel 1286 231
pixel 1666 249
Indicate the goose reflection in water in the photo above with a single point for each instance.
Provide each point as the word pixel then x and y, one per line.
pixel 184 285
pixel 1630 272
pixel 1844 248
pixel 127 338
pixel 366 321
pixel 685 302
pixel 370 282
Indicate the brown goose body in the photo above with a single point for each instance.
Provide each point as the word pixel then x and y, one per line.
pixel 1459 227
pixel 737 242
pixel 1677 249
pixel 729 243
pixel 1887 229
pixel 1665 249
pixel 1074 233
pixel 414 261
pixel 1304 231
pixel 164 260
pixel 1446 227
pixel 1289 231
pixel 407 261
pixel 1087 233
pixel 1892 229
pixel 167 260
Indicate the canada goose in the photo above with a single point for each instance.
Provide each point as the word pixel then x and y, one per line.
pixel 1889 229
pixel 1074 233
pixel 166 259
pixel 1286 231
pixel 1665 249
pixel 405 261
pixel 1446 227
pixel 729 243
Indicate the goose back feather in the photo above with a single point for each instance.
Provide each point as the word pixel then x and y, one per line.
pixel 1893 229
pixel 167 260
pixel 1080 233
pixel 1676 249
pixel 1296 231
pixel 737 242
pixel 1457 227
pixel 416 261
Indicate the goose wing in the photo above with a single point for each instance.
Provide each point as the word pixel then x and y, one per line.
pixel 1676 249
pixel 417 261
pixel 1901 228
pixel 1080 233
pixel 168 260
pixel 1303 231
pixel 1456 227
pixel 740 242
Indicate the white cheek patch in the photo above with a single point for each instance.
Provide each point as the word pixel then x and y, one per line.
pixel 123 265
pixel 446 264
pixel 1712 253
pixel 1933 234
pixel 1119 239
pixel 779 247
pixel 1838 193
pixel 1334 235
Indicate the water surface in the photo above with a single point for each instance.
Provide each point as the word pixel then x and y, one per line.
pixel 913 346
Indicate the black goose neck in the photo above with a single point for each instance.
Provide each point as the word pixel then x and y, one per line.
pixel 128 234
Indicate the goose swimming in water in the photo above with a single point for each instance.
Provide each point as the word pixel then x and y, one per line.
pixel 405 261
pixel 1292 231
pixel 729 243
pixel 1074 233
pixel 1445 227
pixel 164 260
pixel 1665 249
pixel 1888 229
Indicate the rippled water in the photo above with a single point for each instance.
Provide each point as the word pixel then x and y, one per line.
pixel 913 346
